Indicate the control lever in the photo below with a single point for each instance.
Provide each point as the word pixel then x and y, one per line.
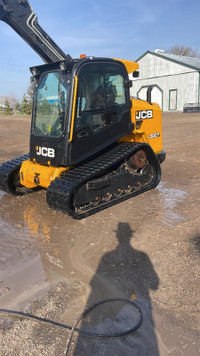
pixel 82 134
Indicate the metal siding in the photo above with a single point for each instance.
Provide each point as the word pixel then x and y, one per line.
pixel 191 62
pixel 167 75
pixel 153 66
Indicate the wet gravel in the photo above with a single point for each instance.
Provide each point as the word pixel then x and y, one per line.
pixel 145 249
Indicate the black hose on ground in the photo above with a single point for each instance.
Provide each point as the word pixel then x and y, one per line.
pixel 74 328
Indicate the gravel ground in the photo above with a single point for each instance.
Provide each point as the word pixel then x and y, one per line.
pixel 146 249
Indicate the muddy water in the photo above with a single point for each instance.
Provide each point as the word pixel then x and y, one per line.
pixel 32 236
pixel 41 248
pixel 145 249
pixel 21 269
pixel 28 241
pixel 169 199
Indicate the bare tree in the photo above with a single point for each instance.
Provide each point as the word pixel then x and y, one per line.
pixel 184 51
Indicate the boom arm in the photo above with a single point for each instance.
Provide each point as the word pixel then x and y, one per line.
pixel 21 17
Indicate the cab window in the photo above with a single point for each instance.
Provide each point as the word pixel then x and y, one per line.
pixel 50 107
pixel 101 96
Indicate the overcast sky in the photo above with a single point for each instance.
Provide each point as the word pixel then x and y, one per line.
pixel 107 28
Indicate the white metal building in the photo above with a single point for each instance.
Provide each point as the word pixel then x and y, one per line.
pixel 176 80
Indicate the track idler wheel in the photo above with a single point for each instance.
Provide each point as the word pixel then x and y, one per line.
pixel 138 160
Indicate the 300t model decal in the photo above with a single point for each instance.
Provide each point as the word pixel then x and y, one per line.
pixel 154 135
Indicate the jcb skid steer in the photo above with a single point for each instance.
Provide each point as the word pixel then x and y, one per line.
pixel 91 144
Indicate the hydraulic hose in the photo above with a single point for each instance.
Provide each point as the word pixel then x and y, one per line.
pixel 74 328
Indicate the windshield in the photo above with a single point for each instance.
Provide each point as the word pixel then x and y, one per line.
pixel 51 101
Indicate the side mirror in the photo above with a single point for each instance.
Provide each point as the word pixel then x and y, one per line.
pixel 128 84
pixel 34 80
pixel 136 74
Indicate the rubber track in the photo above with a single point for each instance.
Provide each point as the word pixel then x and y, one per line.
pixel 7 168
pixel 61 190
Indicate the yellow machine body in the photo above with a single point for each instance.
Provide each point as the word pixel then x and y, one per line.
pixel 33 174
pixel 130 66
pixel 147 120
pixel 147 123
pixel 147 128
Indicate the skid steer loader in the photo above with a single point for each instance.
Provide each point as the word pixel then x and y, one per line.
pixel 91 144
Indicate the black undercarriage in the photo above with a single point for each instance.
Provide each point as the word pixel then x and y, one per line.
pixel 119 174
pixel 105 181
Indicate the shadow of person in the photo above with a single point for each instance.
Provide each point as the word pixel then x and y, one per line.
pixel 122 273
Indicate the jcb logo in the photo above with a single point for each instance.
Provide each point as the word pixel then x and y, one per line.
pixel 144 114
pixel 45 152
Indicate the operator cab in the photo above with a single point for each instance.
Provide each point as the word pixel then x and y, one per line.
pixel 79 109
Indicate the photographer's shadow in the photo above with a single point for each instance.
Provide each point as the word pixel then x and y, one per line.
pixel 122 273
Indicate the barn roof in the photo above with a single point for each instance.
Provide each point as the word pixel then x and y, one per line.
pixel 190 62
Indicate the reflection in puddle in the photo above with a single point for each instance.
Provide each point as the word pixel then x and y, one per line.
pixel 41 230
pixel 47 236
pixel 170 198
pixel 14 242
pixel 22 275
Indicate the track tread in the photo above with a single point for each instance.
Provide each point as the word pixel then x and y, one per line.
pixel 61 190
pixel 7 168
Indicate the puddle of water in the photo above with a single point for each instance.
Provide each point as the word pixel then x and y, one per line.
pixel 14 243
pixel 43 248
pixel 22 284
pixel 22 274
pixel 54 249
pixel 2 194
pixel 36 228
pixel 170 198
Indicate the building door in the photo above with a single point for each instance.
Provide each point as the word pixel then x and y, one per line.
pixel 173 99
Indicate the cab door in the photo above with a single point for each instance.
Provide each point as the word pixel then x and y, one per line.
pixel 102 109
